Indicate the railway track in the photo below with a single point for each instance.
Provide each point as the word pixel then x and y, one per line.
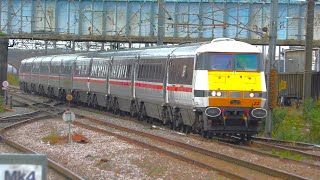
pixel 202 165
pixel 192 151
pixel 305 159
pixel 41 112
pixel 292 150
pixel 265 149
pixel 195 155
pixel 59 172
pixel 293 145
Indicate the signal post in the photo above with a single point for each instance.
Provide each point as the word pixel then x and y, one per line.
pixel 3 60
pixel 271 72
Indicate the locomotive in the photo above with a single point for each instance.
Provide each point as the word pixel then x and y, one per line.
pixel 215 87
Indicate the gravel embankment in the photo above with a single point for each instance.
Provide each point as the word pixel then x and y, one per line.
pixel 277 163
pixel 105 157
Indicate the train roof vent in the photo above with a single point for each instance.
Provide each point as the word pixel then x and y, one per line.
pixel 222 39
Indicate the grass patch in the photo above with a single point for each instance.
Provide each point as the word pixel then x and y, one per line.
pixel 53 138
pixel 1 107
pixel 289 155
pixel 292 124
pixel 152 169
pixel 105 165
pixel 288 124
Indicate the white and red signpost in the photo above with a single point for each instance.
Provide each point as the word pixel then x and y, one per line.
pixel 68 116
pixel 5 88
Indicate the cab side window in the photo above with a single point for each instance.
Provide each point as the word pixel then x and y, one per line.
pixel 181 71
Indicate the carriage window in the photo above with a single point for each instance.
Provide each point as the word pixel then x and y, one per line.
pixel 85 69
pixel 44 68
pixel 99 68
pixel 141 69
pixel 55 68
pixel 184 69
pixel 28 67
pixel 66 67
pixel 78 69
pixel 22 68
pixel 120 69
pixel 144 71
pixel 36 68
pixel 94 70
pixel 128 72
pixel 151 72
pixel 181 71
pixel 115 69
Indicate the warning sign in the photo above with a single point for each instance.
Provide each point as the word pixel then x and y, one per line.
pixel 283 85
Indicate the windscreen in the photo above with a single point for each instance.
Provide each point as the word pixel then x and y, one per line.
pixel 232 62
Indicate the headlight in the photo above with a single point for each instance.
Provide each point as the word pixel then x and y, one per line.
pixel 213 93
pixel 217 93
pixel 253 94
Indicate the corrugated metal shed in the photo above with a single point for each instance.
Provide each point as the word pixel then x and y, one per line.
pixel 295 60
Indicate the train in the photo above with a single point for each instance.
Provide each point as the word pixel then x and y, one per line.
pixel 210 88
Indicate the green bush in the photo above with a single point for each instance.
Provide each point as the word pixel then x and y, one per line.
pixel 1 103
pixel 291 124
pixel 288 124
pixel 13 79
pixel 312 116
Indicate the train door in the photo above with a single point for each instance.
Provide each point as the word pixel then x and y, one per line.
pixel 98 75
pixel 35 78
pixel 44 74
pixel 66 73
pixel 54 76
pixel 81 74
pixel 180 74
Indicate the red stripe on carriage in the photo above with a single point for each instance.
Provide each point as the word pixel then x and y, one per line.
pixel 98 81
pixel 65 77
pixel 81 79
pixel 40 76
pixel 150 86
pixel 120 83
pixel 53 77
pixel 24 74
pixel 183 89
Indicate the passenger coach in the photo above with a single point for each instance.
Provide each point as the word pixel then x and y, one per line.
pixel 215 87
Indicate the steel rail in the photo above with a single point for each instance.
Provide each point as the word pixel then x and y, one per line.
pixel 262 169
pixel 151 147
pixel 289 144
pixel 278 148
pixel 250 165
pixel 249 149
pixel 19 117
pixel 264 144
pixel 58 168
pixel 161 150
